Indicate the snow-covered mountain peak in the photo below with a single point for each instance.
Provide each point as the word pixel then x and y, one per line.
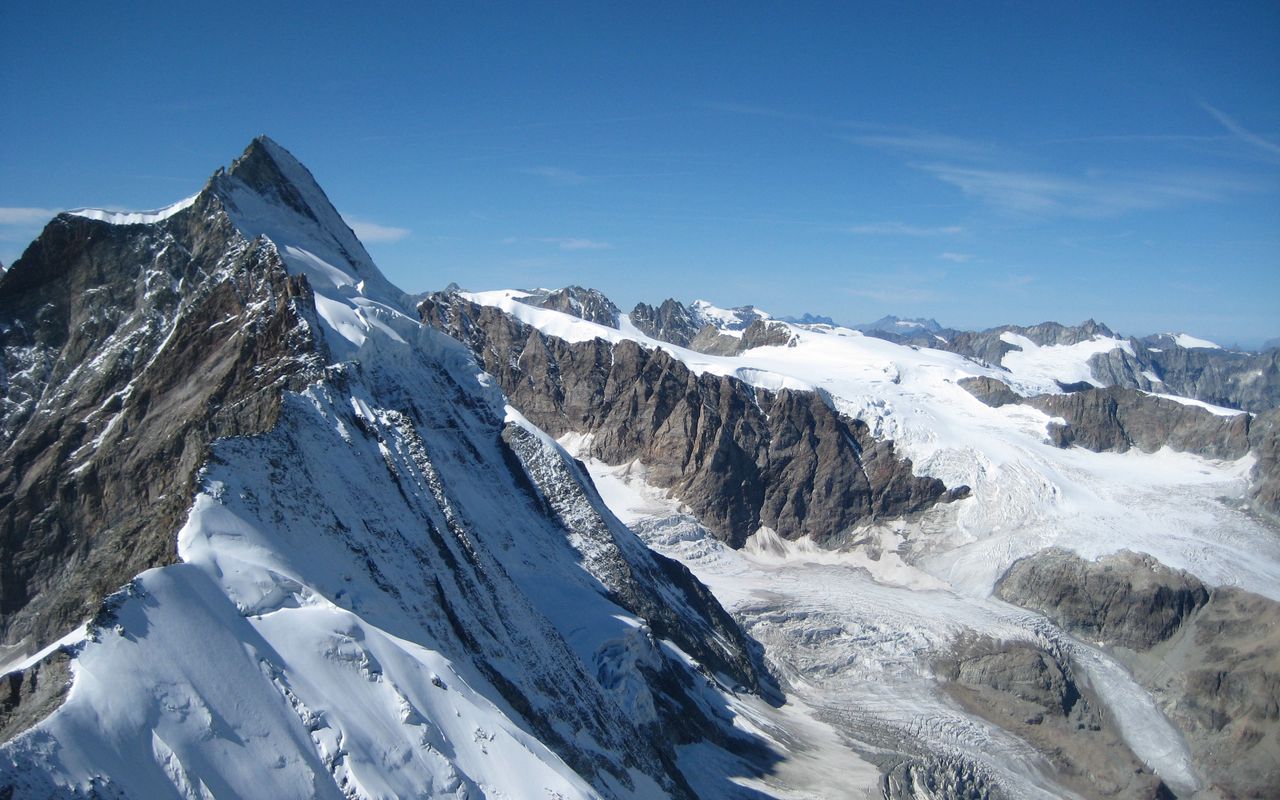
pixel 901 325
pixel 268 192
pixel 738 318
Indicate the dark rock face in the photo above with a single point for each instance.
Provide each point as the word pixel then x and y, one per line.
pixel 1248 381
pixel 1264 436
pixel 987 346
pixel 1015 668
pixel 739 457
pixel 30 695
pixel 809 319
pixel 714 343
pixel 1225 692
pixel 1124 599
pixel 129 349
pixel 103 426
pixel 587 304
pixel 991 391
pixel 1116 419
pixel 767 334
pixel 670 322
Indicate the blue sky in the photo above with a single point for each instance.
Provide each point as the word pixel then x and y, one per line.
pixel 978 163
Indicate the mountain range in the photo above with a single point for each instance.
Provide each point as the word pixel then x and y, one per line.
pixel 272 527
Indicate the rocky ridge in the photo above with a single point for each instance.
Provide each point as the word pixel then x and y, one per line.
pixel 739 456
pixel 587 304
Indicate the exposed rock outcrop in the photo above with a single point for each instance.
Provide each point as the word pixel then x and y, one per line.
pixel 1248 381
pixel 1033 693
pixel 673 322
pixel 31 694
pixel 184 374
pixel 1211 657
pixel 670 322
pixel 1219 681
pixel 740 457
pixel 1125 599
pixel 989 348
pixel 1264 436
pixel 711 341
pixel 587 304
pixel 1115 419
pixel 990 391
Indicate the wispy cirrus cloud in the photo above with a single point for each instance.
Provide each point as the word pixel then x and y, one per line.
pixel 918 143
pixel 562 242
pixel 558 175
pixel 994 174
pixel 1093 194
pixel 1242 133
pixel 899 138
pixel 579 244
pixel 26 216
pixel 368 231
pixel 904 229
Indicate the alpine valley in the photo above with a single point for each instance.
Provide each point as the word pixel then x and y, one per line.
pixel 272 527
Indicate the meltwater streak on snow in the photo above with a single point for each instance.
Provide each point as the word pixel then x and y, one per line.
pixel 134 217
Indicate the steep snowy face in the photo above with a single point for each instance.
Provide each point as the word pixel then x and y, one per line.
pixel 389 583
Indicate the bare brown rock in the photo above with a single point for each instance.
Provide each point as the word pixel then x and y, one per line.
pixel 1033 693
pixel 104 424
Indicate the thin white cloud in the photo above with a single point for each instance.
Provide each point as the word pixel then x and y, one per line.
pixel 746 109
pixel 1241 132
pixel 1090 195
pixel 919 143
pixel 373 232
pixel 556 175
pixel 581 244
pixel 562 242
pixel 26 216
pixel 956 258
pixel 904 229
